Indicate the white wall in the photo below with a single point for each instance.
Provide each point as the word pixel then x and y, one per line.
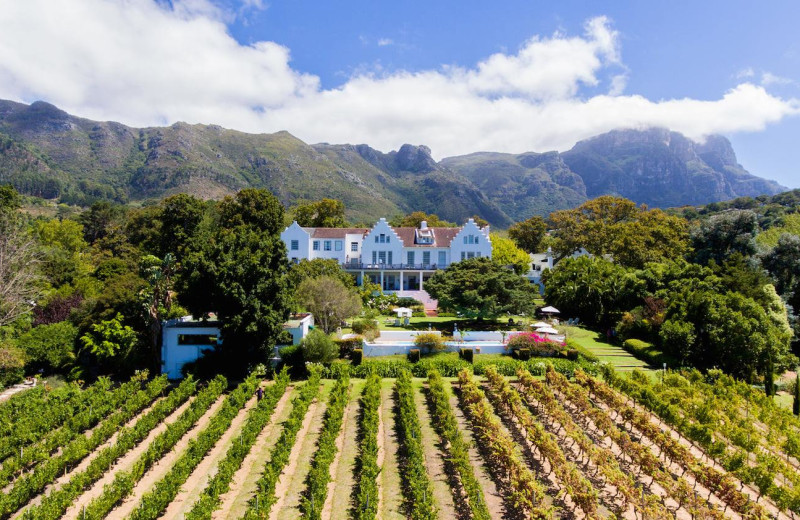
pixel 295 232
pixel 483 247
pixel 174 356
pixel 394 245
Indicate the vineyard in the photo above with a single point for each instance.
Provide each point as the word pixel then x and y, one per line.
pixel 687 445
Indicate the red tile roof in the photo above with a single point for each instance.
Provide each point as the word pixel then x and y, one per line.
pixel 443 236
pixel 335 232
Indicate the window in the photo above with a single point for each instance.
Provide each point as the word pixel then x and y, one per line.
pixel 337 245
pixel 327 245
pixel 196 339
pixel 411 258
pixel 476 239
pixel 374 257
pixel 426 257
pixel 442 257
pixel 381 257
pixel 295 245
pixel 383 239
pixel 470 255
pixel 376 239
pixel 316 245
pixel 354 246
pixel 390 257
pixel 463 255
pixel 465 239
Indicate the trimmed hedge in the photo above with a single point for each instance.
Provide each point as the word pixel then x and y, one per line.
pixel 413 355
pixel 647 352
pixel 467 354
pixel 449 366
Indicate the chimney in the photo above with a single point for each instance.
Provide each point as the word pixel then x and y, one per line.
pixel 423 224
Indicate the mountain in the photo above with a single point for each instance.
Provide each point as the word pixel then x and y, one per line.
pixel 49 153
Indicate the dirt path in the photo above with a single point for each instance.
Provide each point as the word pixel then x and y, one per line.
pixel 434 462
pixel 8 392
pixel 295 475
pixel 233 504
pixel 341 488
pixel 163 466
pixel 197 481
pixel 389 484
pixel 285 481
pixel 494 500
pixel 125 462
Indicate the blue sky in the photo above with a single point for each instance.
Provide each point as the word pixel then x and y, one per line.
pixel 458 76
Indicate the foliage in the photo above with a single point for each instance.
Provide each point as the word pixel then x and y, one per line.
pixel 615 226
pixel 592 289
pixel 414 355
pixel 49 347
pixel 109 338
pixel 240 274
pixel 647 352
pixel 318 347
pixel 534 343
pixel 316 268
pixel 12 365
pixel 329 300
pixel 325 213
pixel 18 261
pixel 506 253
pixel 415 219
pixel 528 234
pixel 725 234
pixel 430 342
pixel 367 328
pixel 367 470
pixel 479 288
pixel 56 309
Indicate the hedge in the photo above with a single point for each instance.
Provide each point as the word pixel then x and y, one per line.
pixel 647 352
pixel 450 366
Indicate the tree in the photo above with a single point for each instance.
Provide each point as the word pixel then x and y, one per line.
pixel 480 221
pixel 528 234
pixel 109 338
pixel 506 253
pixel 329 300
pixel 796 402
pixel 63 259
pixel 725 234
pixel 180 217
pixel 479 288
pixel 19 257
pixel 632 235
pixel 156 298
pixel 415 219
pixel 239 271
pixel 318 347
pixel 783 263
pixel 49 347
pixel 327 213
pixel 317 267
pixel 99 220
pixel 592 289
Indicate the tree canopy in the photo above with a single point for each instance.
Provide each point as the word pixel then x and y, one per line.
pixel 506 253
pixel 329 300
pixel 414 219
pixel 328 213
pixel 528 234
pixel 479 288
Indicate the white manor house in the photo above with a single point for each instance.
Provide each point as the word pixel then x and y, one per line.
pixel 398 259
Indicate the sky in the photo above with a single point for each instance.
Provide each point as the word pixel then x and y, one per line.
pixel 459 77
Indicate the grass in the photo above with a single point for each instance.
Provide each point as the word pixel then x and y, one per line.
pixel 595 343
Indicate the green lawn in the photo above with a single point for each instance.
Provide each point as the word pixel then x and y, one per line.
pixel 595 343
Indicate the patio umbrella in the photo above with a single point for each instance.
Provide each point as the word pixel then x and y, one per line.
pixel 403 312
pixel 549 310
pixel 540 324
pixel 547 330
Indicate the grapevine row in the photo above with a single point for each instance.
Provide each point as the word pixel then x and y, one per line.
pixel 29 485
pixel 319 474
pixel 575 484
pixel 155 501
pixel 265 498
pixel 446 425
pixel 602 458
pixel 526 493
pixel 639 454
pixel 124 482
pixel 220 483
pixel 55 504
pixel 717 482
pixel 412 467
pixel 366 506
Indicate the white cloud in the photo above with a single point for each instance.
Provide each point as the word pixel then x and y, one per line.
pixel 746 72
pixel 384 42
pixel 768 78
pixel 144 64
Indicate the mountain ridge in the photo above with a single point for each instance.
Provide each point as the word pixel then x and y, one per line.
pixel 45 151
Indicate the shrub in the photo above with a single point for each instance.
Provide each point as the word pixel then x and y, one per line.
pixel 407 301
pixel 12 365
pixel 536 345
pixel 347 346
pixel 467 354
pixel 413 355
pixel 430 342
pixel 572 354
pixel 357 356
pixel 367 328
pixel 523 354
pixel 49 347
pixel 647 352
pixel 418 314
pixel 318 347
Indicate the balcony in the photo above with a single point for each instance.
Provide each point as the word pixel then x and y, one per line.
pixel 352 266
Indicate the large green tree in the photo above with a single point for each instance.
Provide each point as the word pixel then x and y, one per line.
pixel 632 235
pixel 329 300
pixel 725 234
pixel 506 253
pixel 239 271
pixel 479 288
pixel 327 213
pixel 528 234
pixel 594 290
